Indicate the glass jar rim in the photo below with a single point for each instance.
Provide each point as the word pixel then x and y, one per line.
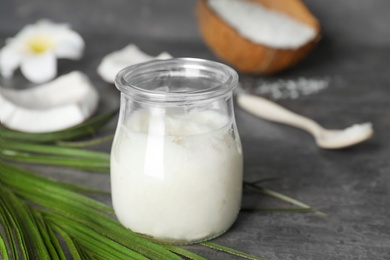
pixel 125 85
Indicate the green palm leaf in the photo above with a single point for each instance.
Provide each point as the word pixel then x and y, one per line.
pixel 3 246
pixel 84 220
pixel 36 211
pixel 31 243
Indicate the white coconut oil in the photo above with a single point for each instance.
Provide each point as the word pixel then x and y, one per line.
pixel 177 177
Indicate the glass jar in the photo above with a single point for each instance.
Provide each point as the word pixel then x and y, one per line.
pixel 176 161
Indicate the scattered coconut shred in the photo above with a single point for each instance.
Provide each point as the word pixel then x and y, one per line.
pixel 285 89
pixel 263 25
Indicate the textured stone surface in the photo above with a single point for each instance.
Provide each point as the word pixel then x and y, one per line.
pixel 351 186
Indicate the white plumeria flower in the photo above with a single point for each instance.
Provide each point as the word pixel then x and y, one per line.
pixel 36 49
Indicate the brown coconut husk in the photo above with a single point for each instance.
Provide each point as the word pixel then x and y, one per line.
pixel 245 55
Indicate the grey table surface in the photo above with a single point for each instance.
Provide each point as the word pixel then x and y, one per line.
pixel 351 185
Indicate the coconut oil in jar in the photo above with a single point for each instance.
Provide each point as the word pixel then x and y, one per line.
pixel 176 161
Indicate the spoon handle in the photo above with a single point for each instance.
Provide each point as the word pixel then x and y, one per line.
pixel 273 112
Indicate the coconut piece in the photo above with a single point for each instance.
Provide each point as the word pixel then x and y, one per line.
pixel 287 34
pixel 112 63
pixel 64 102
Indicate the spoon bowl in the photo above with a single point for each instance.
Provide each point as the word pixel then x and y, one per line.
pixel 334 139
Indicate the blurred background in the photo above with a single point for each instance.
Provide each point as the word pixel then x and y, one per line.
pixel 344 22
pixel 349 28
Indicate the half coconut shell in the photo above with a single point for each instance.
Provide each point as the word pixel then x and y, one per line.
pixel 245 55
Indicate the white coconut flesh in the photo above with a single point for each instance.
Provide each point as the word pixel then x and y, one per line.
pixel 262 25
pixel 65 102
pixel 114 62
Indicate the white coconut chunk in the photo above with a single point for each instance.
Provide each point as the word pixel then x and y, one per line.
pixel 112 63
pixel 64 102
pixel 262 25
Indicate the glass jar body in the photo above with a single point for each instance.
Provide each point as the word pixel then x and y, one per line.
pixel 176 169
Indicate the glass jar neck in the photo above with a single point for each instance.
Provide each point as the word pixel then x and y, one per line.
pixel 177 81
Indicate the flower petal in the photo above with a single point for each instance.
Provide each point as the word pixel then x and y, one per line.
pixel 112 63
pixel 9 61
pixel 70 45
pixel 39 68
